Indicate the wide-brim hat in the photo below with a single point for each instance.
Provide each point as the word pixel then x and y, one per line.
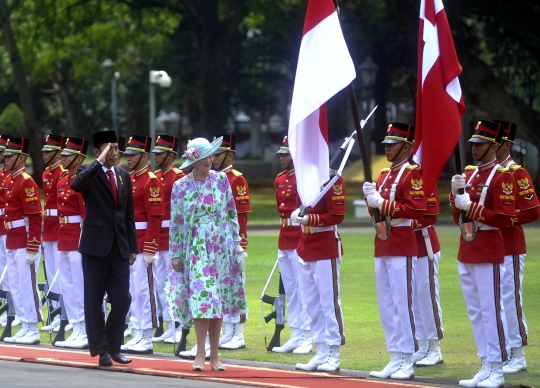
pixel 399 132
pixel 487 132
pixel 199 149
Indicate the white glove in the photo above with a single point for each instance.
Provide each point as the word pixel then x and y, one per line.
pixel 294 215
pixel 149 259
pixel 458 182
pixel 375 200
pixel 31 257
pixel 369 188
pixel 302 220
pixel 241 255
pixel 463 201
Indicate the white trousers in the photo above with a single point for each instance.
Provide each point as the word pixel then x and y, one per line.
pixel 395 294
pixel 427 301
pixel 512 300
pixel 160 274
pixel 289 267
pixel 23 285
pixel 50 257
pixel 71 281
pixel 3 262
pixel 481 286
pixel 143 300
pixel 320 281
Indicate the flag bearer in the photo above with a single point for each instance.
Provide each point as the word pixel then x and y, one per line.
pixel 486 207
pixel 289 236
pixel 233 335
pixel 319 251
pixel 23 224
pixel 400 198
pixel 149 210
pixel 71 213
pixel 527 210
pixel 52 174
pixel 165 151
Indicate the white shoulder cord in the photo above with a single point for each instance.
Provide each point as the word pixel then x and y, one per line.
pixel 485 188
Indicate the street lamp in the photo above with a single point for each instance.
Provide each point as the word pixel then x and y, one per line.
pixel 162 79
pixel 107 63
pixel 368 74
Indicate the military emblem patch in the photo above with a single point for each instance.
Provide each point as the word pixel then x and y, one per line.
pixel 416 184
pixel 242 190
pixel 154 191
pixel 507 188
pixel 30 191
pixel 338 189
pixel 523 183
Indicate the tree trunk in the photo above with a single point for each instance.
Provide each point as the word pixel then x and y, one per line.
pixel 60 84
pixel 24 92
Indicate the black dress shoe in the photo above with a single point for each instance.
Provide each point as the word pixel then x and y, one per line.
pixel 105 359
pixel 120 358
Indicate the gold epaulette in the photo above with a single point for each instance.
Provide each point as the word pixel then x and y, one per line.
pixel 281 173
pixel 502 169
pixel 470 168
pixel 411 167
pixel 152 175
pixel 46 168
pixel 158 170
pixel 236 172
pixel 515 167
pixel 25 175
pixel 177 171
pixel 63 169
pixel 386 169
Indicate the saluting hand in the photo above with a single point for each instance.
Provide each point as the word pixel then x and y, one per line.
pixel 103 155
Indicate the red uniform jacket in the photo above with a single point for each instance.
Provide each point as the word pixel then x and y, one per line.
pixel 51 177
pixel 497 212
pixel 3 176
pixel 329 211
pixel 240 190
pixel 409 203
pixel 428 219
pixel 167 178
pixel 70 203
pixel 529 210
pixel 148 207
pixel 22 200
pixel 286 199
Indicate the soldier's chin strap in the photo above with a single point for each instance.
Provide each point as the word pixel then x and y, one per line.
pixel 72 161
pixel 223 161
pixel 288 165
pixel 160 166
pixel 399 152
pixel 52 157
pixel 139 161
pixel 485 153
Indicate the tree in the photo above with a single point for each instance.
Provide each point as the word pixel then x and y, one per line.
pixel 12 121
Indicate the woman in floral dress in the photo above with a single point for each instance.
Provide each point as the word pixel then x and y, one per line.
pixel 205 276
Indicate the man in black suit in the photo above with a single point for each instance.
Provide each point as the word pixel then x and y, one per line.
pixel 108 246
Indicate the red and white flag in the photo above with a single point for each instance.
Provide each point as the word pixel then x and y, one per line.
pixel 324 68
pixel 440 102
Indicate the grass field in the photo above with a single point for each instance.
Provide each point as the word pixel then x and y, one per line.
pixel 365 348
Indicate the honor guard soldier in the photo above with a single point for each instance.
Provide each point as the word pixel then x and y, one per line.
pixel 121 149
pixel 52 174
pixel 23 241
pixel 319 255
pixel 289 236
pixel 399 197
pixel 4 282
pixel 233 335
pixel 486 206
pixel 527 210
pixel 71 213
pixel 165 151
pixel 149 211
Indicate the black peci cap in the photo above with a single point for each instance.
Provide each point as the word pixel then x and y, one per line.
pixel 121 140
pixel 104 137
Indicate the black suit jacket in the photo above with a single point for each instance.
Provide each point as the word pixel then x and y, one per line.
pixel 105 220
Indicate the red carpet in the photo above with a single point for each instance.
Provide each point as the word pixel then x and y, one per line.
pixel 157 366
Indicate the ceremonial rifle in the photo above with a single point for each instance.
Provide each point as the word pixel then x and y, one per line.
pixel 278 313
pixel 468 227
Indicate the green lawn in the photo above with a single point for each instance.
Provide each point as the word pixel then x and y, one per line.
pixel 365 348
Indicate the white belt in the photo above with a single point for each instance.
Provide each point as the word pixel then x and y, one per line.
pixel 69 219
pixel 141 225
pixel 2 212
pixel 165 224
pixel 288 222
pixel 50 212
pixel 420 229
pixel 398 222
pixel 486 227
pixel 14 224
pixel 316 229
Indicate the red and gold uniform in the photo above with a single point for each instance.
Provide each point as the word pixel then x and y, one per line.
pixel 70 207
pixel 286 199
pixel 167 177
pixel 240 190
pixel 320 251
pixel 51 177
pixel 289 236
pixel 3 176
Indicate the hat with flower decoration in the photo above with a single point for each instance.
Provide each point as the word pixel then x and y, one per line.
pixel 198 149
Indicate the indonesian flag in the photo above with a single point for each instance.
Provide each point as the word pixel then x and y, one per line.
pixel 440 102
pixel 324 68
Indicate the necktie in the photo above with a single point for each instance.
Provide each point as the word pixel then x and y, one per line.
pixel 114 189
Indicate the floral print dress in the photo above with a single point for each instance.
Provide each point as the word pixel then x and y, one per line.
pixel 203 234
